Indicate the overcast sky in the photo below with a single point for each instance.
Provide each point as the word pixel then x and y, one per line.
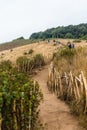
pixel 23 17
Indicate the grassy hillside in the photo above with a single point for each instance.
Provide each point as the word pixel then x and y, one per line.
pixel 15 43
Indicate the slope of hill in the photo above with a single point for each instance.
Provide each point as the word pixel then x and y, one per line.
pixel 38 48
pixel 44 47
pixel 15 43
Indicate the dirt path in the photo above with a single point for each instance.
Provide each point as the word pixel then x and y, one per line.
pixel 53 112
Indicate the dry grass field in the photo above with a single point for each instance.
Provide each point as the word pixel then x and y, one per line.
pixel 38 48
pixel 43 47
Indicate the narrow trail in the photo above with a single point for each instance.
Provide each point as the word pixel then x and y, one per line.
pixel 55 113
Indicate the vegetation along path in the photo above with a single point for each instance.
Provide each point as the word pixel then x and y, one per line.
pixel 53 112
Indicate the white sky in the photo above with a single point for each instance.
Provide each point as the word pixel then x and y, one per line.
pixel 23 17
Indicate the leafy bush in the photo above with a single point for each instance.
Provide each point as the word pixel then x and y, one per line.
pixel 69 35
pixel 25 64
pixel 66 52
pixel 19 100
pixel 30 51
pixel 11 50
pixel 84 37
pixel 38 60
pixel 5 65
pixel 25 53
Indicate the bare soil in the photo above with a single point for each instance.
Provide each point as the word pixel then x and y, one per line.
pixel 54 112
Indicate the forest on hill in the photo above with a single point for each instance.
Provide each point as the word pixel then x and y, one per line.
pixel 71 31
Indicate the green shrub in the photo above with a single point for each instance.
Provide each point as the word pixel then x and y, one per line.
pixel 11 50
pixel 30 51
pixel 39 60
pixel 84 37
pixel 65 53
pixel 19 100
pixel 25 64
pixel 25 53
pixel 5 65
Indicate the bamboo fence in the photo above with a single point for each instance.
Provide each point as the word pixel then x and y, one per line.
pixel 68 86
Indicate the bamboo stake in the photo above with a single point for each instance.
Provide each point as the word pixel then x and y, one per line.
pixel 0 122
pixel 15 119
pixel 60 85
pixel 30 111
pixel 80 84
pixel 77 90
pixel 71 83
pixel 55 85
pixel 75 93
pixel 66 78
pixel 85 86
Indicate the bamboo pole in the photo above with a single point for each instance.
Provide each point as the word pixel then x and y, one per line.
pixel 60 85
pixel 57 86
pixel 77 90
pixel 71 83
pixel 66 78
pixel 0 122
pixel 75 93
pixel 15 119
pixel 80 84
pixel 85 86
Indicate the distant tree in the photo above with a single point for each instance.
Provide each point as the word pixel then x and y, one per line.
pixel 71 31
pixel 84 37
pixel 69 35
pixel 19 38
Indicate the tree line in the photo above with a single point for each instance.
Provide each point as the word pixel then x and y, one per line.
pixel 71 31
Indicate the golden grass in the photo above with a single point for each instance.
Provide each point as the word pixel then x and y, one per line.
pixel 75 60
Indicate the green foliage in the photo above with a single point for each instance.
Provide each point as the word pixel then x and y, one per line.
pixel 25 64
pixel 20 38
pixel 19 99
pixel 69 35
pixel 30 51
pixel 25 53
pixel 39 60
pixel 65 53
pixel 71 31
pixel 5 65
pixel 84 37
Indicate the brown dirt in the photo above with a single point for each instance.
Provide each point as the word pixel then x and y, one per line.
pixel 53 112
